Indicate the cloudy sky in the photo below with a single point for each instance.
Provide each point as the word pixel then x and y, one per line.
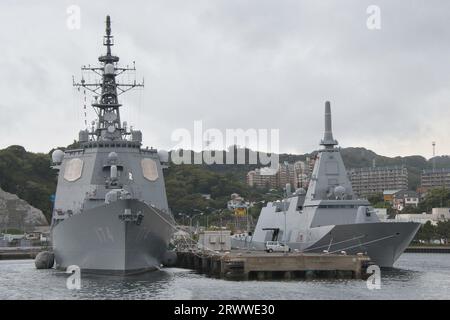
pixel 263 64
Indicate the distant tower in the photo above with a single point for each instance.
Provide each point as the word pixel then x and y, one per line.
pixel 434 154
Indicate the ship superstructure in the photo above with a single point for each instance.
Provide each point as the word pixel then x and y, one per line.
pixel 329 217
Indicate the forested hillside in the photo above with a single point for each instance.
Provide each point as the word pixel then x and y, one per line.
pixel 29 176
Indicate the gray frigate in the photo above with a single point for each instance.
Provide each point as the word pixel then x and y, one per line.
pixel 329 217
pixel 110 211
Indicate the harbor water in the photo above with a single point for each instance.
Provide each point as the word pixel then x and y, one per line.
pixel 416 276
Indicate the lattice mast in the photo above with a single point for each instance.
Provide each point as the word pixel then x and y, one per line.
pixel 106 92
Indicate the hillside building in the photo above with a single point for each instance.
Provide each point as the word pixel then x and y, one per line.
pixel 366 181
pixel 296 174
pixel 435 178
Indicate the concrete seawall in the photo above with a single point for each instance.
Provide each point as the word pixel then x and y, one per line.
pixel 18 253
pixel 428 249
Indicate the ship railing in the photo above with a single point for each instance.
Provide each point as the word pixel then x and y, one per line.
pixel 186 242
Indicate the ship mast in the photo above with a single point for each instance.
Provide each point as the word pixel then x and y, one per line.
pixel 328 142
pixel 106 93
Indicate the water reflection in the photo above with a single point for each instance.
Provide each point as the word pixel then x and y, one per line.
pixel 149 285
pixel 398 274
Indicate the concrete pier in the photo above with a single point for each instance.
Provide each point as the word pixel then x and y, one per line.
pixel 428 249
pixel 259 265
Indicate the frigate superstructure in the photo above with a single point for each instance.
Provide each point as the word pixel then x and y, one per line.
pixel 329 217
pixel 110 211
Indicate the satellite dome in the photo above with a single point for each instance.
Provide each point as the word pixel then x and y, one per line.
pixel 111 129
pixel 163 156
pixel 300 191
pixel 339 191
pixel 112 157
pixel 57 156
pixel 109 69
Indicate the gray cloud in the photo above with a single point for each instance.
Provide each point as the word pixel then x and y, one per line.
pixel 236 64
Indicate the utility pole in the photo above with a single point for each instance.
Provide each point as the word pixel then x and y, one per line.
pixel 247 237
pixel 434 154
pixel 220 228
pixel 6 221
pixel 220 216
pixel 285 227
pixel 285 222
pixel 248 224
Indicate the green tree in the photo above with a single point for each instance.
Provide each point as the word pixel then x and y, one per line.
pixel 375 198
pixel 427 232
pixel 28 175
pixel 436 197
pixel 443 230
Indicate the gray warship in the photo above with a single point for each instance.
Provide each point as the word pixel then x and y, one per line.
pixel 329 217
pixel 110 210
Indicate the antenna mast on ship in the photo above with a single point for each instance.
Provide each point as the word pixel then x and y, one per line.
pixel 328 141
pixel 106 92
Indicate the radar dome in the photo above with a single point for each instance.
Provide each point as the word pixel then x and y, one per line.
pixel 339 191
pixel 112 157
pixel 57 156
pixel 300 191
pixel 163 156
pixel 109 69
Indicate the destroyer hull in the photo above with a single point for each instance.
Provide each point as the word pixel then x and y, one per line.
pixel 106 240
pixel 383 242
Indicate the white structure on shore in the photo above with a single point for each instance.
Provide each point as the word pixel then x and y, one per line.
pixel 421 218
pixel 437 214
pixel 441 214
pixel 381 213
pixel 219 240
